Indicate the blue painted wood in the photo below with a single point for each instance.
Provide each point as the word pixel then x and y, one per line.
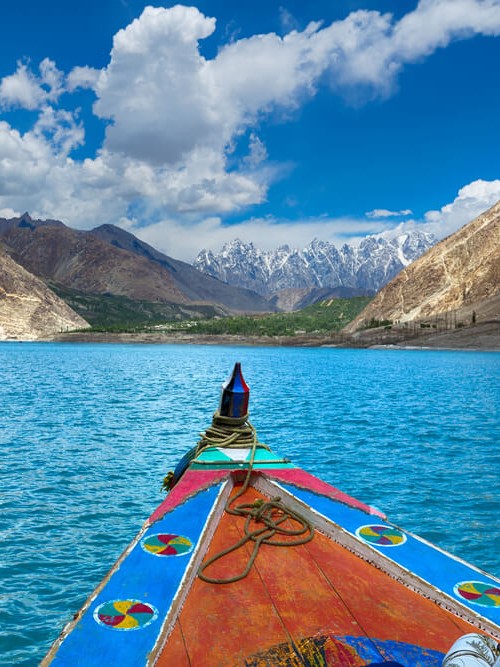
pixel 378 652
pixel 142 576
pixel 436 567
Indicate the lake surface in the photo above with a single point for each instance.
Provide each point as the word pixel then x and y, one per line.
pixel 87 433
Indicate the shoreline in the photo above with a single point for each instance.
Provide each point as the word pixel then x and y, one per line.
pixel 481 337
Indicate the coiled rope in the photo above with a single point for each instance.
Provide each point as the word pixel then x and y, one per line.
pixel 269 515
pixel 229 432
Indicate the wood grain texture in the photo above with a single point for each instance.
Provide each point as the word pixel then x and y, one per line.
pixel 294 595
pixel 384 608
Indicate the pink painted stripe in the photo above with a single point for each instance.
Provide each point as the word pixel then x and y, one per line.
pixel 190 483
pixel 304 480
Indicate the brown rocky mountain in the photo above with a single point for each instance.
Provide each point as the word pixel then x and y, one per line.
pixel 81 261
pixel 28 309
pixel 196 285
pixel 456 280
pixel 111 261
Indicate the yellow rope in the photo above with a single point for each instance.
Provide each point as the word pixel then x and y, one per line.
pixel 269 514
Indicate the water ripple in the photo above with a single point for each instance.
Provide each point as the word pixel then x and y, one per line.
pixel 90 430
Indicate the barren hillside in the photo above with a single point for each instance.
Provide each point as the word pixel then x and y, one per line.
pixel 461 274
pixel 28 309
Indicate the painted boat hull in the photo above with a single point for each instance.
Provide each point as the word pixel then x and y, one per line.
pixel 361 592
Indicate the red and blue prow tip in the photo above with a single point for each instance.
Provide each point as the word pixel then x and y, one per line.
pixel 235 395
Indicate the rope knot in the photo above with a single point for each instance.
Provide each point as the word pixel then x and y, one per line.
pixel 268 515
pixel 228 432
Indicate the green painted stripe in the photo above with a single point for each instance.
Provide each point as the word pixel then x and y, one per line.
pixel 234 465
pixel 216 455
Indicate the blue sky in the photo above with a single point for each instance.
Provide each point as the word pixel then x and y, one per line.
pixel 275 122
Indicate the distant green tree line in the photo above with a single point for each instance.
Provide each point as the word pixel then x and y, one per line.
pixel 321 318
pixel 109 312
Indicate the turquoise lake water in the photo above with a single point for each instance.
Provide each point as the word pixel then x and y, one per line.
pixel 87 433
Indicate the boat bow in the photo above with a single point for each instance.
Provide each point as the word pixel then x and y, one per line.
pixel 252 561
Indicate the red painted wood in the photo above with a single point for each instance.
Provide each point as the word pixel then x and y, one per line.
pixel 306 601
pixel 292 593
pixel 178 656
pixel 383 607
pixel 190 483
pixel 304 480
pixel 222 624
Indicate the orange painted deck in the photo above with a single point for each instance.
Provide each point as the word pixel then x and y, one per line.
pixel 294 594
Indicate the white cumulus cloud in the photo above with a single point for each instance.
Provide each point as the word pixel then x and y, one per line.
pixel 21 89
pixel 371 49
pixel 385 213
pixel 26 90
pixel 472 200
pixel 155 88
pixel 177 122
pixel 82 77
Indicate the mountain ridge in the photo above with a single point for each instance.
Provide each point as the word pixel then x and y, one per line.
pixel 109 260
pixel 193 283
pixel 460 275
pixel 365 268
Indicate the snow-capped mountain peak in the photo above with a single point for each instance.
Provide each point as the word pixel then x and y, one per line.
pixel 368 266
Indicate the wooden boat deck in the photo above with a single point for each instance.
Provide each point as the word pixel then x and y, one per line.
pixel 314 604
pixel 362 592
pixel 348 589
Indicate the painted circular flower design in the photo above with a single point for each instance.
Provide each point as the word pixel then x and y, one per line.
pixel 381 536
pixel 478 592
pixel 166 544
pixel 125 614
